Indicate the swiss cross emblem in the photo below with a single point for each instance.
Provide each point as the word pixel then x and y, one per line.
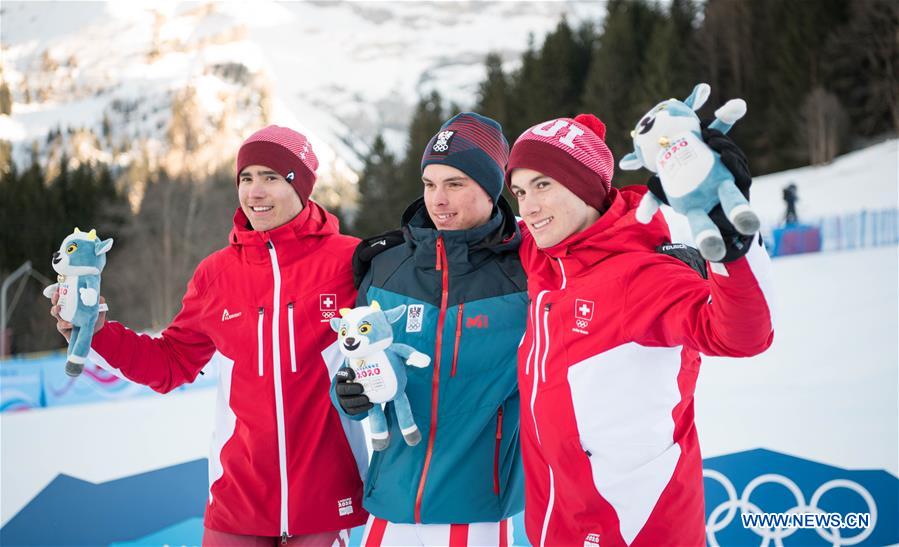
pixel 327 304
pixel 583 309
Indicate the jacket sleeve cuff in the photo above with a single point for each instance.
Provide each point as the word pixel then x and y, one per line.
pixel 751 272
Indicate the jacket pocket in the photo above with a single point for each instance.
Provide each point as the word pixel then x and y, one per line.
pixel 459 314
pixel 260 344
pixel 293 347
pixel 496 450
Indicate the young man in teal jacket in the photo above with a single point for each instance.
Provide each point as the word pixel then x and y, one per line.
pixel 455 265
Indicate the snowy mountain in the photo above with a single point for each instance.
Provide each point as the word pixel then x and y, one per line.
pixel 184 83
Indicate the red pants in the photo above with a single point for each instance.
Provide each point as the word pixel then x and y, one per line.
pixel 214 538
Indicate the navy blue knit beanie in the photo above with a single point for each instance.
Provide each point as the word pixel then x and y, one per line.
pixel 473 144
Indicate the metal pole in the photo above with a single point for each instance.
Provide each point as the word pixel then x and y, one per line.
pixel 20 271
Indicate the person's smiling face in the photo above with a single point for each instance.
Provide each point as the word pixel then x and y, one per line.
pixel 551 211
pixel 454 201
pixel 266 198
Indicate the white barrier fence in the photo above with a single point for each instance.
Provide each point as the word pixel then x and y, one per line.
pixel 863 229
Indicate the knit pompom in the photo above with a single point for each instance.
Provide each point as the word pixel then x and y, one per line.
pixel 594 123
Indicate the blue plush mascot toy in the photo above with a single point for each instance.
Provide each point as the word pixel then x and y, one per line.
pixel 365 338
pixel 79 261
pixel 668 141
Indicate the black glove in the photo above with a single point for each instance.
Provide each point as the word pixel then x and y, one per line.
pixel 687 255
pixel 370 248
pixel 735 160
pixel 350 394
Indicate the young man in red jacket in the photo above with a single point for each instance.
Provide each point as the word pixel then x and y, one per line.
pixel 608 364
pixel 284 465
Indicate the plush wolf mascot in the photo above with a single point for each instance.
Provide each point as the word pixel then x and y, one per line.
pixel 668 141
pixel 365 338
pixel 79 261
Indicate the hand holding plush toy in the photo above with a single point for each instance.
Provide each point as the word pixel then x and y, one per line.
pixel 79 261
pixel 668 141
pixel 373 360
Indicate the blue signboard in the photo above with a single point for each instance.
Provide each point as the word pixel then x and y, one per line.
pixel 742 490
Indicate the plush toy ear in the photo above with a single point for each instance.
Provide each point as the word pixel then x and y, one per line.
pixel 732 111
pixel 699 96
pixel 630 162
pixel 394 314
pixel 103 247
pixel 335 324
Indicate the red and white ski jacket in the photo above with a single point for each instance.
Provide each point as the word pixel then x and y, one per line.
pixel 607 370
pixel 282 459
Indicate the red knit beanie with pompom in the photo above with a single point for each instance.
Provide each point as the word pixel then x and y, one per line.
pixel 571 151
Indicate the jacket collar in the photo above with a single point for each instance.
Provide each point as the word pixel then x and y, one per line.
pixel 306 231
pixel 596 231
pixel 615 232
pixel 465 249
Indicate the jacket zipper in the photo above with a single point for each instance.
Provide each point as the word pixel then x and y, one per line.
pixel 458 337
pixel 552 487
pixel 499 439
pixel 550 503
pixel 279 395
pixel 259 343
pixel 293 350
pixel 372 477
pixel 441 266
pixel 541 336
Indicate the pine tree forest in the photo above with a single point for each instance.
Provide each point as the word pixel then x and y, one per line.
pixel 820 79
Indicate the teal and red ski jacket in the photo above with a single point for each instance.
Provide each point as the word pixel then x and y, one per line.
pixel 466 298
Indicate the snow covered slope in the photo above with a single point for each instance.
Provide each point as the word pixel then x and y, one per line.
pixel 865 179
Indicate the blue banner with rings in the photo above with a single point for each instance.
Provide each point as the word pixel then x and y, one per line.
pixel 761 497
